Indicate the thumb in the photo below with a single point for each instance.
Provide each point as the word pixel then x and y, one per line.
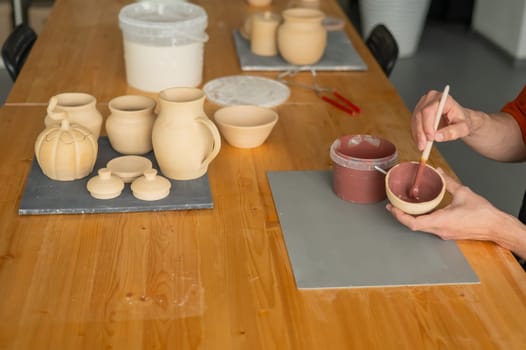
pixel 452 185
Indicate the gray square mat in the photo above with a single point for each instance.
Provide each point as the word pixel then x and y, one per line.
pixel 340 55
pixel 45 196
pixel 336 244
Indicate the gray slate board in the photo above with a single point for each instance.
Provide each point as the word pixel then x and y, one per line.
pixel 337 244
pixel 340 55
pixel 45 196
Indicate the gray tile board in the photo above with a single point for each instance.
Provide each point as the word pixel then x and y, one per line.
pixel 45 196
pixel 337 244
pixel 340 55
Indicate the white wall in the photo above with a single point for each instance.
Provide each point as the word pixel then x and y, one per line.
pixel 503 22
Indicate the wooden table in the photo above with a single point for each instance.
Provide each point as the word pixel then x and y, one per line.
pixel 219 278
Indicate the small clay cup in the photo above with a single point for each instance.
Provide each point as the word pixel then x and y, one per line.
pixel 355 157
pixel 263 37
pixel 259 2
pixel 245 126
pixel 400 179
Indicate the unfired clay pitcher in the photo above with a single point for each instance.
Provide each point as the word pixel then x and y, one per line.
pixel 130 123
pixel 77 107
pixel 302 38
pixel 185 141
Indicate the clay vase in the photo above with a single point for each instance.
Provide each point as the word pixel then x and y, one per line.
pixel 66 152
pixel 130 123
pixel 185 141
pixel 302 38
pixel 79 108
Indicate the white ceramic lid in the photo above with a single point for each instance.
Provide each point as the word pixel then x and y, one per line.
pixel 105 185
pixel 150 186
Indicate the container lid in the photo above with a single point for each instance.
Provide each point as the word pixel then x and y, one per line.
pixel 150 186
pixel 179 22
pixel 105 185
pixel 363 152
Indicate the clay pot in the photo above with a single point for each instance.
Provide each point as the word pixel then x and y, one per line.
pixel 185 141
pixel 355 157
pixel 66 152
pixel 263 37
pixel 399 181
pixel 130 123
pixel 302 38
pixel 245 126
pixel 78 107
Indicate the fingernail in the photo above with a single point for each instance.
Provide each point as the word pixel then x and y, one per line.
pixel 439 136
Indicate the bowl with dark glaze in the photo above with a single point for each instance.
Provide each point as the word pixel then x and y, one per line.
pixel 400 179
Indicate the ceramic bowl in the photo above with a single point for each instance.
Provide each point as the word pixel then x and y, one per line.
pixel 245 126
pixel 399 180
pixel 128 168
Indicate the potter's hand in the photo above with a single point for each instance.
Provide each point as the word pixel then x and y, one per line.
pixel 469 216
pixel 456 120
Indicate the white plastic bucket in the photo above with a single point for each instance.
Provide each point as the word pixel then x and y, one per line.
pixel 163 44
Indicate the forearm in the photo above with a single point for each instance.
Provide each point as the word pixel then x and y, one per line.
pixel 510 233
pixel 496 136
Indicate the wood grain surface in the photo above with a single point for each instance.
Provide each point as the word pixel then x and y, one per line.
pixel 218 278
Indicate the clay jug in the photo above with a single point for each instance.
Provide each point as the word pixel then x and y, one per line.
pixel 79 108
pixel 302 38
pixel 130 123
pixel 185 141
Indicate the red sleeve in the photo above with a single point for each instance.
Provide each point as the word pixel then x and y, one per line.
pixel 517 109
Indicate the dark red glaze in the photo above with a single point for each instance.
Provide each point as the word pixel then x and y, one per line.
pixel 402 178
pixel 354 176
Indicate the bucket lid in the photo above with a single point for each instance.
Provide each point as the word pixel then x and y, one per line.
pixel 385 153
pixel 164 20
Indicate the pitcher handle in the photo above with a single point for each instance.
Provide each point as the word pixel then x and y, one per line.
pixel 216 136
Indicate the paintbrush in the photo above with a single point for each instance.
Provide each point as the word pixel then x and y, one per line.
pixel 414 190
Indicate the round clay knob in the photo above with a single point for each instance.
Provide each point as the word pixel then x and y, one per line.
pixel 105 185
pixel 150 186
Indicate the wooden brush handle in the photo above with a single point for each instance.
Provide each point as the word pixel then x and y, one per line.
pixel 427 149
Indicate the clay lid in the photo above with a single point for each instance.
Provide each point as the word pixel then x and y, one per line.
pixel 151 187
pixel 105 185
pixel 128 168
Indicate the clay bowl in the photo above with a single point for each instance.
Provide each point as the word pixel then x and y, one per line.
pixel 245 126
pixel 399 180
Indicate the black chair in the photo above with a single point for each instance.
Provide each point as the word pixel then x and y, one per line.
pixel 384 47
pixel 16 48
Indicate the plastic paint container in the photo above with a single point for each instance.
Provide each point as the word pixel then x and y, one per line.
pixel 163 44
pixel 354 157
